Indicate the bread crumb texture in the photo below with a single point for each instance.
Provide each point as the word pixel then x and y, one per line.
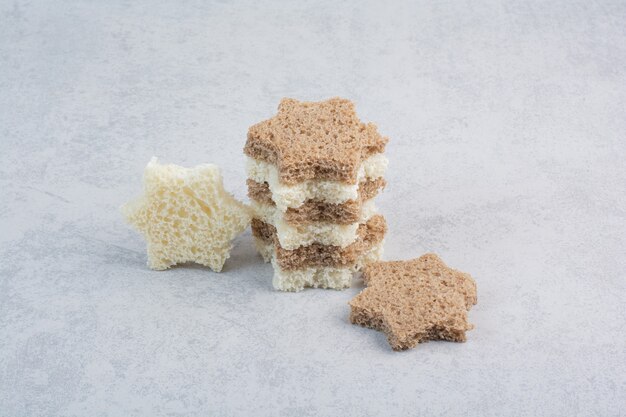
pixel 314 140
pixel 318 255
pixel 415 301
pixel 186 216
pixel 312 211
pixel 316 277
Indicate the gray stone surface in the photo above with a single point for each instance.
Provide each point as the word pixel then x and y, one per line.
pixel 508 141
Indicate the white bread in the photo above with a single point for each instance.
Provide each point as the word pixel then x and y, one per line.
pixel 186 216
pixel 334 192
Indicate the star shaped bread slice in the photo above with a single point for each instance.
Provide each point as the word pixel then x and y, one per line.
pixel 314 141
pixel 415 301
pixel 186 215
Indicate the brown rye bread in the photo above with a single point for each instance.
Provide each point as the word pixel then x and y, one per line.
pixel 319 211
pixel 314 140
pixel 318 255
pixel 415 301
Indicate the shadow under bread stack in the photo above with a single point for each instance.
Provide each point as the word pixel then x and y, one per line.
pixel 313 172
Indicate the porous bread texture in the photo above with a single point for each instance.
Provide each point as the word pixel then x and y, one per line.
pixel 320 277
pixel 312 211
pixel 292 236
pixel 316 277
pixel 415 301
pixel 314 140
pixel 318 255
pixel 259 192
pixel 264 247
pixel 186 216
pixel 334 192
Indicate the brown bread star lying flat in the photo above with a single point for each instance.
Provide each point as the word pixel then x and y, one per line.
pixel 415 301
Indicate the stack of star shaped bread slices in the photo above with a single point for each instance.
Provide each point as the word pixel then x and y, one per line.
pixel 313 172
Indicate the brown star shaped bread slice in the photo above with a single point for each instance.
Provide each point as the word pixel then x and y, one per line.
pixel 314 141
pixel 415 301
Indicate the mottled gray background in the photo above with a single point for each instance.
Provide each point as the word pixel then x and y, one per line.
pixel 508 147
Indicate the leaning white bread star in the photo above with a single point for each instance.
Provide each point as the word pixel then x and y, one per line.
pixel 186 215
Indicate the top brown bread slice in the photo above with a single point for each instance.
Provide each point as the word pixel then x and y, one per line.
pixel 314 140
pixel 415 301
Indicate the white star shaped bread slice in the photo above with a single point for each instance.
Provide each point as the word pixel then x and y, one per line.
pixel 186 215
